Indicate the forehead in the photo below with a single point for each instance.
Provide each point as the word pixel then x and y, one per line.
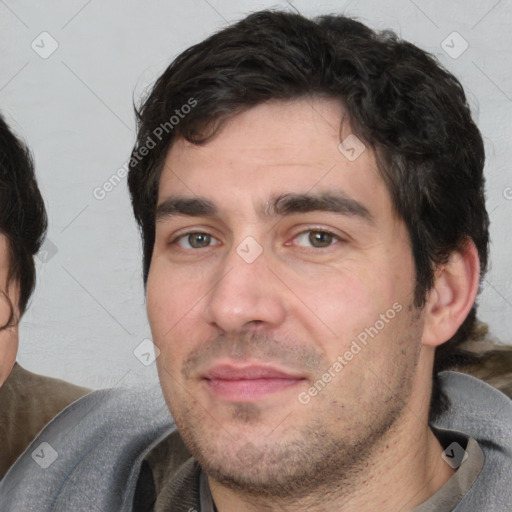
pixel 275 148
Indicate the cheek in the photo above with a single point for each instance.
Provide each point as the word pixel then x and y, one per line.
pixel 8 337
pixel 172 307
pixel 8 350
pixel 166 294
pixel 349 297
pixel 355 302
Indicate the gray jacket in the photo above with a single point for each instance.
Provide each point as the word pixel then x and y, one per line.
pixel 89 457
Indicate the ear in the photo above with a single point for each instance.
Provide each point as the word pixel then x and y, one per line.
pixel 452 296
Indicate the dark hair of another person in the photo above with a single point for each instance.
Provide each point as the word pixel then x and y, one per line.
pixel 399 100
pixel 23 218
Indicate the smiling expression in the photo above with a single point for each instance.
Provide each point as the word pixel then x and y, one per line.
pixel 273 251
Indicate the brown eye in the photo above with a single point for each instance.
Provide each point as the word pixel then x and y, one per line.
pixel 320 238
pixel 316 239
pixel 198 240
pixel 195 241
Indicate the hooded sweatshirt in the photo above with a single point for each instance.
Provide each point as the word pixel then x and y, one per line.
pixel 102 454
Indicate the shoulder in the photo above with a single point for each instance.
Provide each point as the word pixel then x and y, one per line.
pixel 91 449
pixel 46 393
pixel 27 403
pixel 476 406
pixel 480 411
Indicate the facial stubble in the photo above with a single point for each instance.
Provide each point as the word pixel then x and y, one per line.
pixel 293 459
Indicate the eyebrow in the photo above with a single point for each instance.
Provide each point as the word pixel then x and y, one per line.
pixel 193 207
pixel 280 205
pixel 339 202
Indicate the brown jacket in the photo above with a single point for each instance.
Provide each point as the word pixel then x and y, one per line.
pixel 27 403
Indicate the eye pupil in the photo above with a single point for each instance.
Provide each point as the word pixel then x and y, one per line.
pixel 320 239
pixel 198 240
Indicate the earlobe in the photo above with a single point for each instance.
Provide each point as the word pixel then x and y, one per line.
pixel 452 296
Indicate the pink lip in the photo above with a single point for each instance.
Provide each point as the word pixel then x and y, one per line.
pixel 247 382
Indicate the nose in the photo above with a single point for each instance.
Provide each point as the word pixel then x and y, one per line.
pixel 245 295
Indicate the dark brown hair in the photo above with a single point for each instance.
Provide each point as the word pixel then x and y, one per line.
pixel 23 218
pixel 400 101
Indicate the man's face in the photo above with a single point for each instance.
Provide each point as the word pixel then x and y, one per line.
pixel 278 255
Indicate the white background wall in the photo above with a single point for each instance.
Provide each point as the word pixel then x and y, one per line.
pixel 75 110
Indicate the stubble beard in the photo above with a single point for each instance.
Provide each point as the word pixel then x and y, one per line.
pixel 292 463
pixel 298 458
